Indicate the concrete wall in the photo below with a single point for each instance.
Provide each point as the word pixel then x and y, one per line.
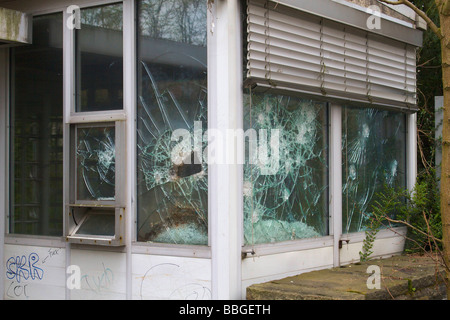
pixel 37 272
pixel 40 272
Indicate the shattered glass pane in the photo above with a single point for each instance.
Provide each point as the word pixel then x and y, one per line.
pixel 95 163
pixel 172 95
pixel 286 178
pixel 373 156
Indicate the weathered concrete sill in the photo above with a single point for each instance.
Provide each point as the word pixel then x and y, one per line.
pixel 401 278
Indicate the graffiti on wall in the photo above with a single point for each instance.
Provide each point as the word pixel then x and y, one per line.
pixel 155 279
pixel 28 268
pixel 20 269
pixel 23 267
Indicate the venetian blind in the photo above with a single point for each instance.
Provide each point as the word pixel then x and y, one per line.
pixel 292 50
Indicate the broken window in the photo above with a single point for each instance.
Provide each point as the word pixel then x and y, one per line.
pixel 99 59
pixel 96 203
pixel 95 212
pixel 172 203
pixel 373 156
pixel 36 131
pixel 95 162
pixel 286 168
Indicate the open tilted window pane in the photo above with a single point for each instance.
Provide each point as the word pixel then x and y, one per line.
pixel 286 168
pixel 97 223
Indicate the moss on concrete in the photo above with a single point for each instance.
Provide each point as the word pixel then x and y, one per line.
pixel 10 25
pixel 402 277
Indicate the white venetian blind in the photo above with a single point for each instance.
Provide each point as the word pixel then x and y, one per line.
pixel 293 50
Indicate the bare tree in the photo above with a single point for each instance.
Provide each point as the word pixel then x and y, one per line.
pixel 443 33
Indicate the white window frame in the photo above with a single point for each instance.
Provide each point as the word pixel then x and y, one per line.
pixel 16 238
pixel 199 251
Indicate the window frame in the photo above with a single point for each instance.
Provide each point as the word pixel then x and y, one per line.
pixel 328 106
pixel 8 94
pixel 73 119
pixel 404 148
pixel 77 65
pixel 6 236
pixel 192 247
pixel 80 208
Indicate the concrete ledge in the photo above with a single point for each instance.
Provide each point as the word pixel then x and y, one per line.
pixel 15 27
pixel 401 277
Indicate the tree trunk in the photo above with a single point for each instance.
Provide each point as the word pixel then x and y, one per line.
pixel 445 171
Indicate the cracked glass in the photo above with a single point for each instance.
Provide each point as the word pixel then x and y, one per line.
pixel 373 156
pixel 95 154
pixel 286 168
pixel 172 190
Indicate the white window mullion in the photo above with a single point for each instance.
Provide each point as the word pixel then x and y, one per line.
pixel 335 188
pixel 411 151
pixel 129 81
pixel 68 106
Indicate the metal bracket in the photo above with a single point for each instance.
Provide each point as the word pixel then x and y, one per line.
pixel 244 254
pixel 340 243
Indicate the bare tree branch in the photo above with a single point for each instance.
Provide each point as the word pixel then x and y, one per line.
pixel 412 227
pixel 422 14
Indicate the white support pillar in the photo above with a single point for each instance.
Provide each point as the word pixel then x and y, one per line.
pixel 224 113
pixel 68 107
pixel 335 165
pixel 411 151
pixel 129 58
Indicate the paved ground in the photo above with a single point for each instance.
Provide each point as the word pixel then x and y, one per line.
pixel 401 277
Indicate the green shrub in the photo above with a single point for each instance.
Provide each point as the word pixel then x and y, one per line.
pixel 419 210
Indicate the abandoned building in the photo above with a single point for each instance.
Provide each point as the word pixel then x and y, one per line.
pixel 167 149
